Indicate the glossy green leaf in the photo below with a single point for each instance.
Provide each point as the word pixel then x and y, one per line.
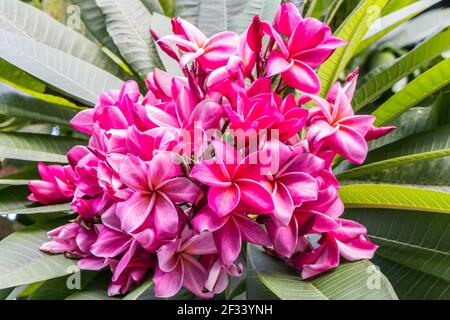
pixel 391 21
pixel 94 20
pixel 36 147
pixel 394 197
pixel 28 21
pixel 424 85
pixel 14 198
pixel 270 278
pixel 421 146
pixel 266 9
pixel 352 31
pixel 414 250
pixel 41 209
pixel 143 288
pixel 71 75
pixel 96 290
pixel 187 9
pixel 384 77
pixel 62 287
pixel 128 23
pixel 12 74
pixel 21 261
pixel 16 104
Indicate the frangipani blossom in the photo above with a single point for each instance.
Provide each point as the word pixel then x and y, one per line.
pixel 211 53
pixel 348 240
pixel 157 187
pixel 56 186
pixel 178 268
pixel 174 184
pixel 229 231
pixel 310 44
pixel 233 181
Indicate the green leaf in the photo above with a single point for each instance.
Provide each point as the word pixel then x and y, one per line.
pixel 414 92
pixel 187 9
pixel 266 9
pixel 153 6
pixel 414 250
pixel 128 23
pixel 12 74
pixel 58 289
pixel 143 288
pixel 14 198
pixel 219 15
pixel 270 278
pixel 42 209
pixel 4 293
pixel 36 147
pixel 97 289
pixel 352 31
pixel 421 146
pixel 384 77
pixel 14 103
pixel 28 21
pixel 387 23
pixel 71 75
pixel 21 261
pixel 394 197
pixel 94 20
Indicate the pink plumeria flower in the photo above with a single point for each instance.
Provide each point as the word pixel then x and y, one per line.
pixel 310 44
pixel 56 186
pixel 157 187
pixel 217 280
pixel 210 53
pixel 178 268
pixel 229 231
pixel 348 240
pixel 233 181
pixel 114 110
pixel 71 239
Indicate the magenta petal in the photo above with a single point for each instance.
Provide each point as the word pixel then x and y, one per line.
pixel 162 167
pixel 165 216
pixel 167 284
pixel 356 249
pixel 284 239
pixel 277 63
pixel 133 212
pixel 228 242
pixel 284 206
pixel 194 276
pixel 349 144
pixel 255 197
pixel 251 231
pixel 207 220
pixel 110 243
pixel 83 121
pixel 181 190
pixel 200 244
pixel 92 263
pixel 224 200
pixel 302 77
pixel 210 173
pixel 168 257
pixel 133 172
pixel 301 186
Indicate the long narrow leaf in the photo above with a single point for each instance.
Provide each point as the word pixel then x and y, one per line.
pixel 394 197
pixel 36 147
pixel 424 85
pixel 421 146
pixel 384 77
pixel 353 31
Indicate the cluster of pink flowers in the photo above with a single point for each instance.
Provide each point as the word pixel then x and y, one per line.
pixel 173 182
